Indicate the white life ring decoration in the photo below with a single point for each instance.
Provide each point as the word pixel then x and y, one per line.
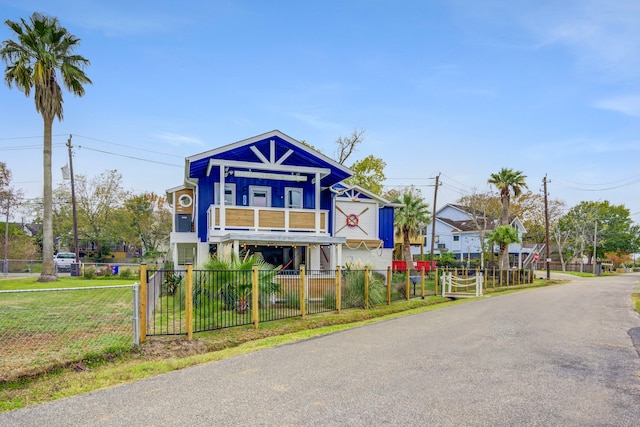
pixel 352 220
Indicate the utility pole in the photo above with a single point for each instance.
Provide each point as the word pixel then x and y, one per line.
pixel 73 203
pixel 546 229
pixel 595 239
pixel 433 222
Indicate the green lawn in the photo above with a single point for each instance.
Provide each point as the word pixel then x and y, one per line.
pixel 62 282
pixel 43 329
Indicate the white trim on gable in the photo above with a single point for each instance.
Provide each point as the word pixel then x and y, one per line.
pixel 262 137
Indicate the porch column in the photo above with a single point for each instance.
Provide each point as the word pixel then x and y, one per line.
pixel 221 194
pixel 317 199
pixel 338 258
pixel 202 254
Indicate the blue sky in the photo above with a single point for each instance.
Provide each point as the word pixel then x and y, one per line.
pixel 457 87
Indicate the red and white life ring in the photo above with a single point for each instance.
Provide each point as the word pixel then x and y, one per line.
pixel 352 220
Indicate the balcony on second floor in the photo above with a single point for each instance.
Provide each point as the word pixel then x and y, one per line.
pixel 222 219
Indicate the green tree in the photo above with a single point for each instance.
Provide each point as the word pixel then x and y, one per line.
pixel 99 203
pixel 503 236
pixel 149 220
pixel 10 198
pixel 368 174
pixel 607 228
pixel 43 49
pixel 507 181
pixel 410 219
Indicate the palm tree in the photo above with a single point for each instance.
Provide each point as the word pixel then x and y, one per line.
pixel 42 50
pixel 410 218
pixel 507 181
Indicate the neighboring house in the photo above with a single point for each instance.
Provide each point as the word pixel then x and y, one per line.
pixel 276 197
pixel 460 231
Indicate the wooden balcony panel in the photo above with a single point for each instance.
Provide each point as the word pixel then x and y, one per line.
pixel 239 217
pixel 271 219
pixel 302 220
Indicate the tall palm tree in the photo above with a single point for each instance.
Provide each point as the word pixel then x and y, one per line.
pixel 507 181
pixel 43 49
pixel 410 218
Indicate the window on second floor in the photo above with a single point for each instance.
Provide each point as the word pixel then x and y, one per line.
pixel 293 198
pixel 229 194
pixel 456 238
pixel 259 196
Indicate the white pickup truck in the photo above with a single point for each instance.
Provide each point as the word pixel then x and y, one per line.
pixel 63 260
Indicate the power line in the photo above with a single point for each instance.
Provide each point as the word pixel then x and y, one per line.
pixel 126 146
pixel 131 157
pixel 597 187
pixel 27 147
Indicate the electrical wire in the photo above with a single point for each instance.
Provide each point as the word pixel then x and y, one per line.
pixel 130 157
pixel 126 146
pixel 596 187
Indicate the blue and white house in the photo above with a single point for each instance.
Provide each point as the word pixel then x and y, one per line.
pixel 276 197
pixel 461 231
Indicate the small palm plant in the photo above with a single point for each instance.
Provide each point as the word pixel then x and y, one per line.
pixel 232 279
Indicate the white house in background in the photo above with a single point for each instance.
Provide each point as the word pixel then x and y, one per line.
pixel 276 197
pixel 460 231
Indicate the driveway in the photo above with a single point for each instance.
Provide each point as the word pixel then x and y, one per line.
pixel 556 356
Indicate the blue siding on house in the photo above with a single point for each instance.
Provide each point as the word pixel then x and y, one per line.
pixel 386 226
pixel 205 198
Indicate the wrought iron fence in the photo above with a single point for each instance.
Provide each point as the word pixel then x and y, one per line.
pixel 229 298
pixel 225 298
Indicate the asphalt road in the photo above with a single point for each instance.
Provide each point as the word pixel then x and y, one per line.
pixel 556 356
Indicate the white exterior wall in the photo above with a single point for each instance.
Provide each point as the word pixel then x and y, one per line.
pixel 378 259
pixel 367 214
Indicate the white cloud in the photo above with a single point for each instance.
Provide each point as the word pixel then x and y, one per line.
pixel 315 121
pixel 602 33
pixel 178 140
pixel 629 105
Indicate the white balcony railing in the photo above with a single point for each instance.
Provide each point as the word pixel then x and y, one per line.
pixel 263 219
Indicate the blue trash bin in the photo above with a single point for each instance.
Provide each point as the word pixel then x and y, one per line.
pixel 114 270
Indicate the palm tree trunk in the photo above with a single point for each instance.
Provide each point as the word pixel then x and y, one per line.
pixel 504 218
pixel 48 269
pixel 406 249
pixel 504 257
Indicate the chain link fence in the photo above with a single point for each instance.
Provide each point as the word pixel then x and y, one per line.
pixel 41 329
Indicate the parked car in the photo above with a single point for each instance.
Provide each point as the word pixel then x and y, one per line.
pixel 63 260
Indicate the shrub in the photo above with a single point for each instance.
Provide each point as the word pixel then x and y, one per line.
pixel 125 272
pixel 170 283
pixel 353 287
pixel 89 273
